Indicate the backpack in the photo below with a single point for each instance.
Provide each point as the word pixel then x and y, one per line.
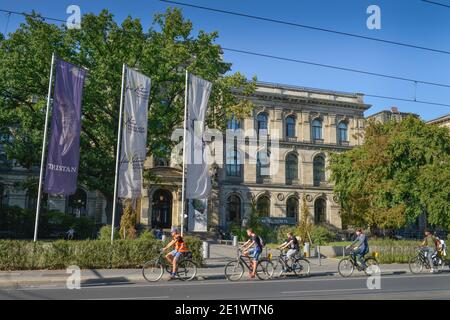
pixel 262 242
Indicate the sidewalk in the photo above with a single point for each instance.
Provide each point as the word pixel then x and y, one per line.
pixel 213 269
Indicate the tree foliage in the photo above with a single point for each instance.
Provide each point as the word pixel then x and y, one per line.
pixel 128 222
pixel 401 171
pixel 102 46
pixel 304 224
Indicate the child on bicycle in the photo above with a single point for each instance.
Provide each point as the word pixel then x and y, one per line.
pixel 291 243
pixel 180 248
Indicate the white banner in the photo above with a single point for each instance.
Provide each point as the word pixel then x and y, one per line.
pixel 134 134
pixel 198 215
pixel 198 181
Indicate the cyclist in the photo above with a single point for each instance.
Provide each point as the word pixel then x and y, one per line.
pixel 291 243
pixel 363 247
pixel 252 249
pixel 180 249
pixel 429 247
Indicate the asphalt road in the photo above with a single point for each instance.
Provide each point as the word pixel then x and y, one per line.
pixel 396 286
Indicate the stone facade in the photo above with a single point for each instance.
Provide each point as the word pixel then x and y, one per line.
pixel 388 115
pixel 320 122
pixel 311 124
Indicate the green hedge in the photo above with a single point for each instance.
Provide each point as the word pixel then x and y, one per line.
pixel 89 254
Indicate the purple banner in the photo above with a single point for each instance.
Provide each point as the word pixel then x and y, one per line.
pixel 64 144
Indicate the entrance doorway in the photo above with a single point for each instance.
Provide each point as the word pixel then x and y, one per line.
pixel 162 209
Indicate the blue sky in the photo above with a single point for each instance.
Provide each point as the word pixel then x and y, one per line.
pixel 409 21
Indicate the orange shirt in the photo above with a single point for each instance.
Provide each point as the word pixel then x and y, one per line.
pixel 180 245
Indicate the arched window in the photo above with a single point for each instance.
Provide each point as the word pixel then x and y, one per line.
pixel 233 162
pixel 77 203
pixel 319 169
pixel 291 168
pixel 263 206
pixel 262 164
pixel 317 129
pixel 342 132
pixel 261 122
pixel 233 208
pixel 320 207
pixel 290 127
pixel 292 208
pixel 233 124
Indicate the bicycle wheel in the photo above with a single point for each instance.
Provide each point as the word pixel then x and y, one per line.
pixel 279 269
pixel 234 270
pixel 370 262
pixel 416 265
pixel 187 270
pixel 345 267
pixel 441 265
pixel 301 267
pixel 152 271
pixel 264 269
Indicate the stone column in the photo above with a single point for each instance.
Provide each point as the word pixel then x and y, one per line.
pixel 333 209
pixel 145 208
pixel 306 127
pixel 213 207
pixel 332 130
pixel 176 207
pixel 249 169
pixel 352 130
pixel 308 169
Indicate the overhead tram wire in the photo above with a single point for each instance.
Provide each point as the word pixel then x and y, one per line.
pixel 269 56
pixel 303 62
pixel 31 15
pixel 298 25
pixel 436 3
pixel 407 100
pixel 292 59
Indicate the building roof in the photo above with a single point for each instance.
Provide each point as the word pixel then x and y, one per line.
pixel 440 120
pixel 297 93
pixel 394 112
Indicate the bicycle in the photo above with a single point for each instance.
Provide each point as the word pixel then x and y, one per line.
pixel 297 265
pixel 347 266
pixel 234 270
pixel 153 270
pixel 418 262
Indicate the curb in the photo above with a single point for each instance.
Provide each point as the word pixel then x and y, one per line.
pixel 17 284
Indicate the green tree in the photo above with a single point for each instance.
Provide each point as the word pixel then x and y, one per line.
pixel 102 45
pixel 304 224
pixel 128 222
pixel 401 171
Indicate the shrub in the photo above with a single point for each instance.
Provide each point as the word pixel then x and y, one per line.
pixel 147 235
pixel 321 235
pixel 105 233
pixel 283 230
pixel 27 255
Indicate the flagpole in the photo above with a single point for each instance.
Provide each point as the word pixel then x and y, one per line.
pixel 44 142
pixel 184 153
pixel 119 134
